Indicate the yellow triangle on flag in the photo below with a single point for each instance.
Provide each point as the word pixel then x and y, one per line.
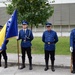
pixel 2 35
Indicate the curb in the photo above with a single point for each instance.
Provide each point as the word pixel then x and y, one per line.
pixel 16 64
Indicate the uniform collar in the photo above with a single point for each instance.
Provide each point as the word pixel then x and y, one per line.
pixel 24 29
pixel 49 31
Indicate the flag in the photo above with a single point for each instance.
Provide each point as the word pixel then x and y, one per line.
pixel 12 26
pixel 2 35
pixel 9 30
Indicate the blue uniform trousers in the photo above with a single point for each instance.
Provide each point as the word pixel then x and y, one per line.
pixel 73 57
pixel 4 55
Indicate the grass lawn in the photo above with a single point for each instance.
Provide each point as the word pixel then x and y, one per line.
pixel 62 47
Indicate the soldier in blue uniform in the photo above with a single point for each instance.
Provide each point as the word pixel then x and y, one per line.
pixel 50 38
pixel 3 51
pixel 26 37
pixel 72 48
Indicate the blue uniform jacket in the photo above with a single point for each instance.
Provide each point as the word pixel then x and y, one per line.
pixel 4 47
pixel 50 36
pixel 26 38
pixel 72 39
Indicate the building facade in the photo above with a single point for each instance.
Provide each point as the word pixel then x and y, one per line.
pixel 63 18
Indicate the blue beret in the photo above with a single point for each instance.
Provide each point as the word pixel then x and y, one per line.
pixel 24 22
pixel 1 26
pixel 48 24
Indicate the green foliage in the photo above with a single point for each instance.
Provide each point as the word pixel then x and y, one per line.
pixel 34 11
pixel 10 7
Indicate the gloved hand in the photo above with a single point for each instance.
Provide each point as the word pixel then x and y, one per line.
pixel 17 38
pixel 71 49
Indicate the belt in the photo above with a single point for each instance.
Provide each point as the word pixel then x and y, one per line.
pixel 49 43
pixel 24 40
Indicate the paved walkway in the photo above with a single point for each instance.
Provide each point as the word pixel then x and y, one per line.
pixel 60 60
pixel 62 66
pixel 37 70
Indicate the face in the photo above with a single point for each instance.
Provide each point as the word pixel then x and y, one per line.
pixel 48 28
pixel 24 26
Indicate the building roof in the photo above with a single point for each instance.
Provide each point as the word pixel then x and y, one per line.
pixel 3 4
pixel 5 0
pixel 61 1
pixel 50 1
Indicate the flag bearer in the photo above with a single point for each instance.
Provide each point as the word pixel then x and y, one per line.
pixel 50 38
pixel 26 37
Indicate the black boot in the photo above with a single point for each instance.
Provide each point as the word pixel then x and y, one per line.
pixel 22 66
pixel 23 63
pixel 30 64
pixel 0 63
pixel 73 71
pixel 52 66
pixel 46 68
pixel 5 64
pixel 30 67
pixel 0 59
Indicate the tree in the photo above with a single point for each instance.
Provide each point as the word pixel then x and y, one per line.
pixel 34 11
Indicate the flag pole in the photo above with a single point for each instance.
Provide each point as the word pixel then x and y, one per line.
pixel 71 63
pixel 18 52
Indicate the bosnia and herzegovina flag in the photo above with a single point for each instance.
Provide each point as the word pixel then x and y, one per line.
pixel 9 30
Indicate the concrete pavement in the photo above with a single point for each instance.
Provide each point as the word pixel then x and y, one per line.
pixel 62 66
pixel 60 60
pixel 37 70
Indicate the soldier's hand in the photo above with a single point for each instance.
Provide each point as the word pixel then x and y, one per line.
pixel 17 38
pixel 71 49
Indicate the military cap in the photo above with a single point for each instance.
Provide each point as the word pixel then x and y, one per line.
pixel 24 22
pixel 48 24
